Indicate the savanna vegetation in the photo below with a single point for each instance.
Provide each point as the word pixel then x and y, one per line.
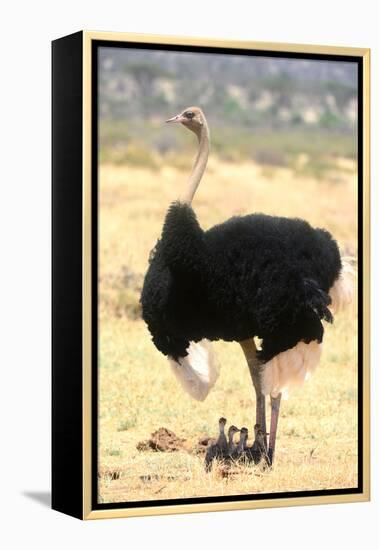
pixel 317 440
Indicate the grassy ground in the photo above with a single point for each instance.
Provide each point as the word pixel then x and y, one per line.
pixel 317 439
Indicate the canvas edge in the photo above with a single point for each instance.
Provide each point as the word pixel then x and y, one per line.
pixel 66 332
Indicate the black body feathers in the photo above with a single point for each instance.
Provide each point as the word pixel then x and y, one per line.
pixel 255 275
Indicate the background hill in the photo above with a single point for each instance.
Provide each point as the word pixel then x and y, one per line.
pixel 266 109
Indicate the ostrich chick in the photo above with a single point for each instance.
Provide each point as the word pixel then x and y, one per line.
pixel 241 447
pixel 231 445
pixel 219 449
pixel 257 451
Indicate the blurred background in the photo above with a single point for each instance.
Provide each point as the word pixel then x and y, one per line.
pixel 283 142
pixel 266 109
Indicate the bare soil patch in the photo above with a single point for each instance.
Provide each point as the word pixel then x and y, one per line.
pixel 162 440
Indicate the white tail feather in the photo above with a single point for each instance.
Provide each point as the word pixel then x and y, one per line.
pixel 342 292
pixel 289 369
pixel 198 371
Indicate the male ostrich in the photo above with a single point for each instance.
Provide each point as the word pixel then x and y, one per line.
pixel 252 276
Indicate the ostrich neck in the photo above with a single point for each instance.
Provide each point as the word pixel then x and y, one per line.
pixel 241 444
pixel 199 165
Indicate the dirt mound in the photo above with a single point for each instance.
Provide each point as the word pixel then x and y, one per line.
pixel 162 440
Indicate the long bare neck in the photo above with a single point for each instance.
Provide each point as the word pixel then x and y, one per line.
pixel 199 164
pixel 242 443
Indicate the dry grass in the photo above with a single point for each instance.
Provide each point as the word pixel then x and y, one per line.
pixel 317 440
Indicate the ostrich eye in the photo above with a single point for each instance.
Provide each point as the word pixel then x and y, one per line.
pixel 189 114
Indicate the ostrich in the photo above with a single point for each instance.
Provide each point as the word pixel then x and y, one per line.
pixel 231 445
pixel 241 447
pixel 258 448
pixel 256 275
pixel 218 449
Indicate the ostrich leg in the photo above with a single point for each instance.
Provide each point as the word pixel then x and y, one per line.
pixel 256 369
pixel 275 405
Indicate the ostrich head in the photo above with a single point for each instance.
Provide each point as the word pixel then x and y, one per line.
pixel 232 430
pixel 192 118
pixel 244 434
pixel 221 424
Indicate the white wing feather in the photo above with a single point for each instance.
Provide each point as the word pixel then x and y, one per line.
pixel 198 371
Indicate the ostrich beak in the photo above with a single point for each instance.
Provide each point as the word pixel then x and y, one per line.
pixel 176 118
